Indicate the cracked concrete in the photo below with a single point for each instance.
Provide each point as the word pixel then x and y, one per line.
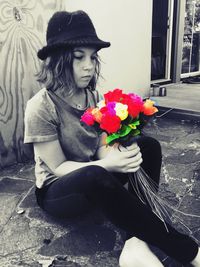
pixel 29 237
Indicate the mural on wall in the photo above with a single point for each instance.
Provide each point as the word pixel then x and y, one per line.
pixel 22 32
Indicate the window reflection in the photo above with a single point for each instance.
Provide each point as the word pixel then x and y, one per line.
pixel 191 39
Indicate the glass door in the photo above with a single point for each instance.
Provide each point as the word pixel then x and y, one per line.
pixel 162 22
pixel 191 40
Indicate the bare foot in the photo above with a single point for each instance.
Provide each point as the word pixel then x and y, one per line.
pixel 137 253
pixel 196 261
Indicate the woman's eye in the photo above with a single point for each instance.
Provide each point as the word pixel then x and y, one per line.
pixel 78 57
pixel 94 58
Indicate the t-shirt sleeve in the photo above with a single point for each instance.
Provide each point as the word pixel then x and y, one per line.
pixel 40 123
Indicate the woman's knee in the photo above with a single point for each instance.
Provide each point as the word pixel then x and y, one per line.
pixel 155 144
pixel 95 171
pixel 150 145
pixel 100 176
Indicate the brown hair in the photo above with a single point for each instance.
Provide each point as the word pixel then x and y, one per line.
pixel 57 73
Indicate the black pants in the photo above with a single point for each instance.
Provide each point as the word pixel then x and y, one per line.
pixel 93 186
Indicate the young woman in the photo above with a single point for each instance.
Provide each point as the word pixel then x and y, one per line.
pixel 75 171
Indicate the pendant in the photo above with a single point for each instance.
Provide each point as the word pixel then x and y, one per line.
pixel 78 106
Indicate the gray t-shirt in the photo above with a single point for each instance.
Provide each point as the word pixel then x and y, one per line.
pixel 47 118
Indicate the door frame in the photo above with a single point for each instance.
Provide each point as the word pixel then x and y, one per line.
pixel 178 40
pixel 193 73
pixel 169 40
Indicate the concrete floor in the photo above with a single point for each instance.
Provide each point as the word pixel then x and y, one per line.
pixel 181 96
pixel 31 238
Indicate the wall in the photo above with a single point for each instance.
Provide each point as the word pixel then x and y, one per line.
pixel 127 25
pixel 22 27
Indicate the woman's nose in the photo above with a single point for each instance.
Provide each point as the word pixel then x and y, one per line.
pixel 88 64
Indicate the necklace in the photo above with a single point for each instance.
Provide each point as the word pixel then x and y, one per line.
pixel 79 106
pixel 78 101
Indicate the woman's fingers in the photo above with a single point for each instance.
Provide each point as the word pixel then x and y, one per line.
pixel 131 170
pixel 129 153
pixel 133 153
pixel 126 160
pixel 132 146
pixel 134 163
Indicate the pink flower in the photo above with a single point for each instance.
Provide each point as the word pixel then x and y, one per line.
pixel 88 117
pixel 109 108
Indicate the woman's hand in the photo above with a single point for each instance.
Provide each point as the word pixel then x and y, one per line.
pixel 123 159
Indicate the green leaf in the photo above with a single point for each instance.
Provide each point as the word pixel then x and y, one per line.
pixel 135 132
pixel 125 130
pixel 134 124
pixel 112 137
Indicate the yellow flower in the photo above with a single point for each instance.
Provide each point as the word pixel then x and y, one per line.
pixel 101 104
pixel 121 111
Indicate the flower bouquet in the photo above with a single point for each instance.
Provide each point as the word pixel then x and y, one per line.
pixel 122 116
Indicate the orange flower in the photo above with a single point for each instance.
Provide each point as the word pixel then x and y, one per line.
pixel 148 107
pixel 97 115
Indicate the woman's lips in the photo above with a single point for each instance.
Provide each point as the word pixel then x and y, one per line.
pixel 88 77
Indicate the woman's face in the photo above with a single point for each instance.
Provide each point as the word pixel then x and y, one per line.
pixel 84 64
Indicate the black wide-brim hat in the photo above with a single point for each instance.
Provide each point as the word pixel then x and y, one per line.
pixel 70 29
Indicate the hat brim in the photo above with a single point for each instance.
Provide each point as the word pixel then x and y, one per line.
pixel 48 50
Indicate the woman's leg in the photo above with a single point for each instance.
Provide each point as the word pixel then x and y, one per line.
pixel 152 160
pixel 135 251
pixel 152 157
pixel 126 211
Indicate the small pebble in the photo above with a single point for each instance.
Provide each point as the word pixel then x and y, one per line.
pixel 46 241
pixel 20 211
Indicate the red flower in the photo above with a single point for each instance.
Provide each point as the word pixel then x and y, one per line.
pixel 113 96
pixel 110 123
pixel 88 117
pixel 134 103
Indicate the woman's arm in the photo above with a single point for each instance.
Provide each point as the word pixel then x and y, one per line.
pixel 114 160
pixel 51 153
